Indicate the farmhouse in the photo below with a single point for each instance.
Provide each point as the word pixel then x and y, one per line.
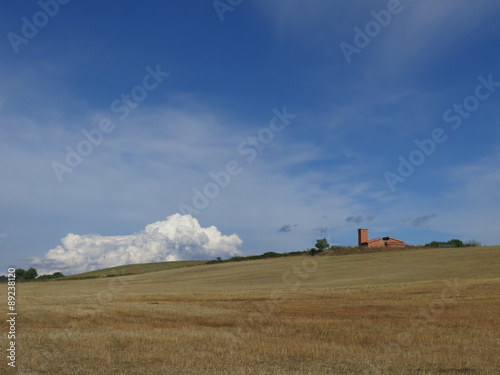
pixel 377 242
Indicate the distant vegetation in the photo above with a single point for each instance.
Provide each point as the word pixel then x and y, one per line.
pixel 270 254
pixel 323 248
pixel 321 245
pixel 30 274
pixel 453 243
pixel 55 275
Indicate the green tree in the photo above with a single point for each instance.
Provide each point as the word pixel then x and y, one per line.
pixel 450 243
pixel 435 244
pixel 20 274
pixel 456 243
pixel 321 244
pixel 55 275
pixel 31 274
pixel 473 243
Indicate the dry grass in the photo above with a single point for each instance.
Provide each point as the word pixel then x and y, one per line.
pixel 388 313
pixel 136 269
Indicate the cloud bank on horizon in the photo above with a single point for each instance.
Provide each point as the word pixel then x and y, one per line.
pixel 179 237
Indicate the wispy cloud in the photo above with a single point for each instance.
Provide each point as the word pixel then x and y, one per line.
pixel 359 219
pixel 413 40
pixel 421 221
pixel 296 16
pixel 321 229
pixel 285 228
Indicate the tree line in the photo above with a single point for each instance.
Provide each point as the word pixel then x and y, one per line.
pixel 32 274
pixel 323 245
pixel 453 243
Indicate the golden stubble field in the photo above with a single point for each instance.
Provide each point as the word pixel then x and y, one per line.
pixel 409 312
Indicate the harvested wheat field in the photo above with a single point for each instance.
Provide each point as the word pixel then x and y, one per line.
pixel 404 312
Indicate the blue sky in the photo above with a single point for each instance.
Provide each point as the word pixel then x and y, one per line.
pixel 353 116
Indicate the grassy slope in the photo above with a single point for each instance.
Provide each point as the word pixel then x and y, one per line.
pixel 135 269
pixel 323 272
pixel 379 267
pixel 333 272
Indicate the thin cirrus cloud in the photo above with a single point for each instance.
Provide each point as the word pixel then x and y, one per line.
pixel 422 221
pixel 285 228
pixel 359 219
pixel 425 32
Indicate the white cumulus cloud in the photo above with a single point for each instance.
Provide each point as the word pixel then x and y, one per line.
pixel 179 237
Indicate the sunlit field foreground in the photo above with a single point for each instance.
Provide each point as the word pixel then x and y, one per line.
pixel 409 312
